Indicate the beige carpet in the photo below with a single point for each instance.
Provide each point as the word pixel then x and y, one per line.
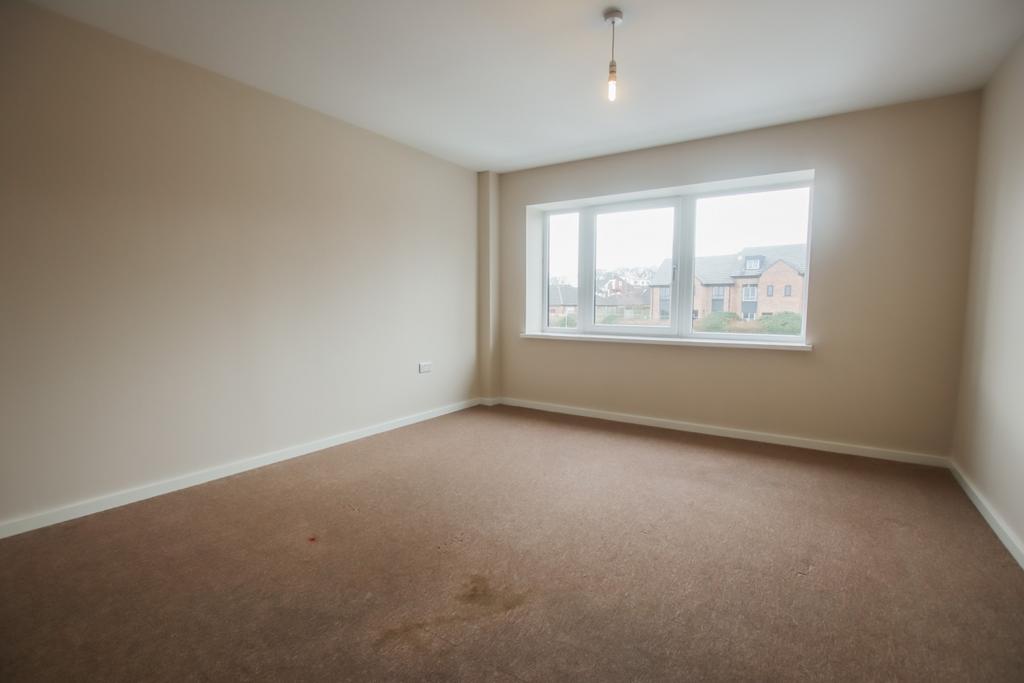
pixel 505 544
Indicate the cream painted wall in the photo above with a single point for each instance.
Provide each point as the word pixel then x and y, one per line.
pixel 990 435
pixel 891 228
pixel 194 272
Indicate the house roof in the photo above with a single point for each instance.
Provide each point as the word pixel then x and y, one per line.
pixel 711 270
pixel 562 295
pixel 663 276
pixel 637 298
pixel 720 270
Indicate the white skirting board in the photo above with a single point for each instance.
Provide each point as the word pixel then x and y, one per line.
pixel 27 523
pixel 10 527
pixel 1011 540
pixel 734 433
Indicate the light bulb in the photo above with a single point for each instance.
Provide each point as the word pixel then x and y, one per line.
pixel 613 16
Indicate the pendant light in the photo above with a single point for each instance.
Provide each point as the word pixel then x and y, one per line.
pixel 613 16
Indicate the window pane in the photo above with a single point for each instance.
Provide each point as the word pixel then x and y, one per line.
pixel 563 269
pixel 633 276
pixel 747 246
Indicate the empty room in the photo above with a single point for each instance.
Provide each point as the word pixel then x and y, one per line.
pixel 390 340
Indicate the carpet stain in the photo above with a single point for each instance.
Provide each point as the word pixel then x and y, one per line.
pixel 477 593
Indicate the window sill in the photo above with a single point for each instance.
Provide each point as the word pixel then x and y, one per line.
pixel 673 341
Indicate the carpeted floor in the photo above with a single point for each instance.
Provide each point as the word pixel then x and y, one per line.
pixel 505 544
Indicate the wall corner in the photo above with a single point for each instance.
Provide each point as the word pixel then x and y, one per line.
pixel 488 378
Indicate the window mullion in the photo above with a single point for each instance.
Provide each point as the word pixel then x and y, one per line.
pixel 678 324
pixel 685 264
pixel 545 270
pixel 585 310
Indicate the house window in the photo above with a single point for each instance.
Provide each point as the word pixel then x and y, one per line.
pixel 632 267
pixel 787 290
pixel 664 302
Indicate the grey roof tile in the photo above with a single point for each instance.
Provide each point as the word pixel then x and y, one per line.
pixel 720 270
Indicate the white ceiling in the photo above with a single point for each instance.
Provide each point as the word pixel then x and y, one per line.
pixel 508 85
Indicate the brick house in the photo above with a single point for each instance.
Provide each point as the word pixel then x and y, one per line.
pixel 618 300
pixel 756 282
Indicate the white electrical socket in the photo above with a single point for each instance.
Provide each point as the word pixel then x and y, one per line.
pixel 426 366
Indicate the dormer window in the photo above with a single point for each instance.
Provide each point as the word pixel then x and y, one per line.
pixel 753 264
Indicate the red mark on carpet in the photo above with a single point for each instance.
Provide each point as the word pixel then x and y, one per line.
pixel 312 539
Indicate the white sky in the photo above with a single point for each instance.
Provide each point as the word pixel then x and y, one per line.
pixel 725 225
pixel 563 243
pixel 630 239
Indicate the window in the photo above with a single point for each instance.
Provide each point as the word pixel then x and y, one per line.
pixel 633 267
pixel 563 246
pixel 765 231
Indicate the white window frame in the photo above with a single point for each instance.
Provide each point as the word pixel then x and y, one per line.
pixel 756 261
pixel 545 312
pixel 587 270
pixel 749 287
pixel 683 200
